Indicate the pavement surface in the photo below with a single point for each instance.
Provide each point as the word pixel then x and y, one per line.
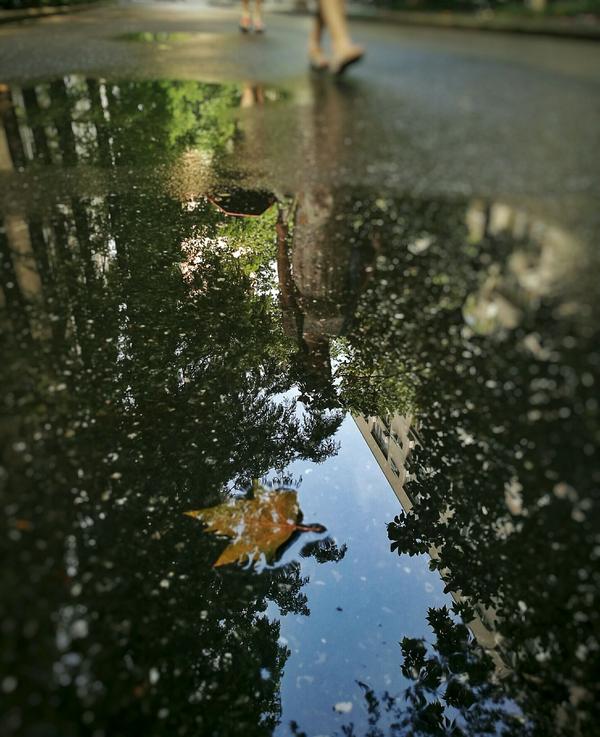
pixel 430 111
pixel 583 26
pixel 445 222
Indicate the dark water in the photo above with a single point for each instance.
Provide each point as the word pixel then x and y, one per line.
pixel 422 371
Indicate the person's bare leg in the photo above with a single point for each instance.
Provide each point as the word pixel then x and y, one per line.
pixel 247 99
pixel 318 59
pixel 345 51
pixel 259 25
pixel 246 19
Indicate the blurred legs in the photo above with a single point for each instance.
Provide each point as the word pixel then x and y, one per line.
pixel 317 57
pixel 332 13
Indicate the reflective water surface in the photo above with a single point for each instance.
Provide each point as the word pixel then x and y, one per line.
pixel 389 399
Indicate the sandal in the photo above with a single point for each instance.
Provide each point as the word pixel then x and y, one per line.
pixel 317 61
pixel 245 24
pixel 339 66
pixel 259 27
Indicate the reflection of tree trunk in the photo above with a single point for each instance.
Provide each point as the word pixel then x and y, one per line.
pixel 26 268
pixel 15 302
pixel 23 258
pixel 33 117
pixel 313 357
pixel 40 251
pixel 321 276
pixel 83 237
pixel 329 263
pixel 130 305
pixel 319 266
pixel 51 299
pixel 69 268
pixel 11 129
pixel 115 148
pixel 60 99
pixel 116 224
pixel 101 130
pixel 6 163
pixel 19 254
pixel 291 315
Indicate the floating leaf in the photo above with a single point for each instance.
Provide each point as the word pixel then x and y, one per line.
pixel 258 526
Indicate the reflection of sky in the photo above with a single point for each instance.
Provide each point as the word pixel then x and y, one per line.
pixel 382 597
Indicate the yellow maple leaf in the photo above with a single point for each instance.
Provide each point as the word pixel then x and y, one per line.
pixel 258 526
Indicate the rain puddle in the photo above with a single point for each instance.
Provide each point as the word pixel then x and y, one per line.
pixel 309 462
pixel 160 37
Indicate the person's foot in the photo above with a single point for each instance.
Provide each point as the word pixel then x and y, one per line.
pixel 317 59
pixel 259 25
pixel 245 24
pixel 345 57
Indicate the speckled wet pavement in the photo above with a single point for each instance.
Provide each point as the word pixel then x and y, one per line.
pixel 356 319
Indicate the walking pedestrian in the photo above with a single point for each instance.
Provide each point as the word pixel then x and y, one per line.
pixel 252 21
pixel 331 15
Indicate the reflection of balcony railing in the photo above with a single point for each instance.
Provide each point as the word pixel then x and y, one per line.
pixel 394 467
pixel 397 439
pixel 380 439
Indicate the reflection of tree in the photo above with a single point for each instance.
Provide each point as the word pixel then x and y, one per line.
pixel 415 280
pixel 503 475
pixel 324 551
pixel 156 392
pixel 453 690
pixel 10 125
pixel 149 370
pixel 159 379
pixel 76 120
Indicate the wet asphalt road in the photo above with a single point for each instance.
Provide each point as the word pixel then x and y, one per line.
pixel 449 112
pixel 447 201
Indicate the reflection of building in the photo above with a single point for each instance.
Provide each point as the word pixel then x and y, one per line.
pixel 391 440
